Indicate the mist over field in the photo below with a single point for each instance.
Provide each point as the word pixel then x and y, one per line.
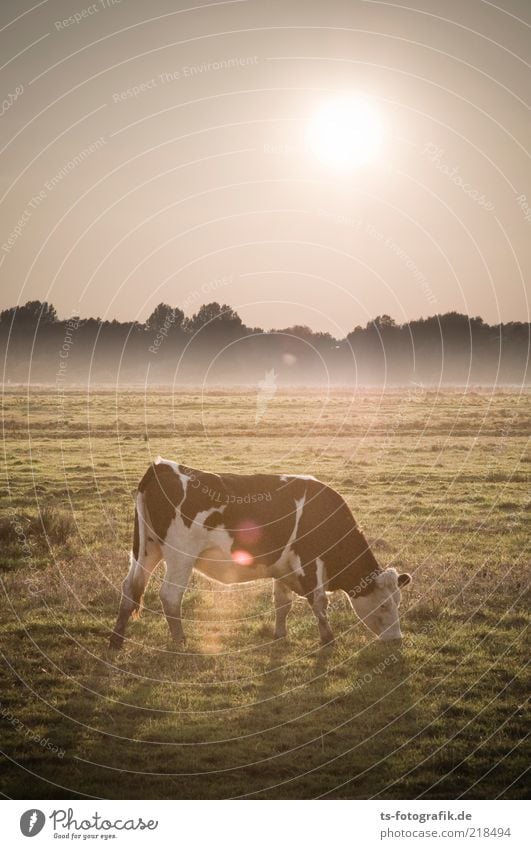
pixel 214 347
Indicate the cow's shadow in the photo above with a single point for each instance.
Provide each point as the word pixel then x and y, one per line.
pixel 342 723
pixel 308 720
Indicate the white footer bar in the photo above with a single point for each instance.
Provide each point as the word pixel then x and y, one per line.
pixel 264 824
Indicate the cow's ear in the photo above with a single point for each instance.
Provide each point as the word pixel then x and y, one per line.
pixel 404 579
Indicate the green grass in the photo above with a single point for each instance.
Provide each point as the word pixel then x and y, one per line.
pixel 440 483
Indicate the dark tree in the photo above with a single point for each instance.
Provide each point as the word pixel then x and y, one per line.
pixel 214 316
pixel 31 314
pixel 164 317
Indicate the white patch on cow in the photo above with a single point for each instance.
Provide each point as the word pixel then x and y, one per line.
pixel 289 562
pixel 286 478
pixel 204 514
pixel 379 608
pixel 289 568
pixel 190 541
pixel 293 561
pixel 321 574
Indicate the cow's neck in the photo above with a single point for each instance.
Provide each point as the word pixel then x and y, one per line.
pixel 356 566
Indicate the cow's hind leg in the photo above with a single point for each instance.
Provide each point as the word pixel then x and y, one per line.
pixel 133 589
pixel 178 570
pixel 283 598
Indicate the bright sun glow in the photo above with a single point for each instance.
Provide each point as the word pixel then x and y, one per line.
pixel 346 132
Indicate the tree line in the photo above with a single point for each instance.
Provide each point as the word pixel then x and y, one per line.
pixel 215 346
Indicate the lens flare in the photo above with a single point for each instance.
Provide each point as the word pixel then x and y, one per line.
pixel 242 557
pixel 249 532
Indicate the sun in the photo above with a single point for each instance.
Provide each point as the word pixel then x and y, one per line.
pixel 346 132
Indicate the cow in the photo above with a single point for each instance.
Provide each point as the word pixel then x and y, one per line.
pixel 234 528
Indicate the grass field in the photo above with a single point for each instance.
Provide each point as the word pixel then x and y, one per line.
pixel 440 483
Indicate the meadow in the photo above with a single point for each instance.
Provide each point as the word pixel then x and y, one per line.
pixel 438 479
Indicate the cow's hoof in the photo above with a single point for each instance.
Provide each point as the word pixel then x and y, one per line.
pixel 279 636
pixel 116 642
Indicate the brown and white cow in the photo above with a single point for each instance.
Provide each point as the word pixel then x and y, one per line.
pixel 235 528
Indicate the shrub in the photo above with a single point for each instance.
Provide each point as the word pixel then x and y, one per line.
pixel 52 525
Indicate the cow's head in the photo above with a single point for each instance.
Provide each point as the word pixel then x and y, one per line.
pixel 378 606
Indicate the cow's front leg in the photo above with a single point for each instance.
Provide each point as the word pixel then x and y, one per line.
pixel 319 603
pixel 283 598
pixel 178 571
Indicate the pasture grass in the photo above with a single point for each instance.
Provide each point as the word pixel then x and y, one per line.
pixel 440 482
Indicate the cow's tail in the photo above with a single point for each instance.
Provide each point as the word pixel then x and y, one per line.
pixel 137 573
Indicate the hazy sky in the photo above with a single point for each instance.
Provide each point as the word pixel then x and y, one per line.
pixel 159 152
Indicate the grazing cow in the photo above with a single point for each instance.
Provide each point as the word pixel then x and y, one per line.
pixel 235 528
